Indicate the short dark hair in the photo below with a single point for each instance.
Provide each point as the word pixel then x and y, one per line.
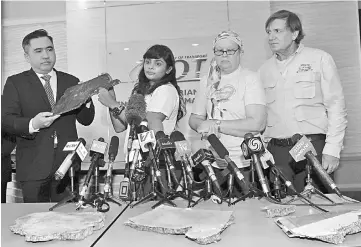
pixel 35 34
pixel 293 22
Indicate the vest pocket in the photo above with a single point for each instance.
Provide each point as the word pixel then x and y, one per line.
pixel 304 85
pixel 315 115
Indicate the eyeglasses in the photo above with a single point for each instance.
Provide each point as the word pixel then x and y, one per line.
pixel 228 52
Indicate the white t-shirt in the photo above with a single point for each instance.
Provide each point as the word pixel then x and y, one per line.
pixel 228 102
pixel 164 100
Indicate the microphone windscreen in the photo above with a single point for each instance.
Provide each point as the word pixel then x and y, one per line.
pixel 218 146
pixel 177 136
pixel 135 111
pixel 113 146
pixel 159 135
pixel 248 136
pixel 143 127
pixel 198 144
pixel 296 138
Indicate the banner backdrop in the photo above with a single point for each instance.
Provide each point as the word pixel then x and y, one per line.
pixel 192 57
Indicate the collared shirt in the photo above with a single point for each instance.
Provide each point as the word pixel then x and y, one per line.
pixel 53 85
pixel 304 95
pixel 228 102
pixel 53 82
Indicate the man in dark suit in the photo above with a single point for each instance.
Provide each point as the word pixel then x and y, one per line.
pixel 41 136
pixel 8 144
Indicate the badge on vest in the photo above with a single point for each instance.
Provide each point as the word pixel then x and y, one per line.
pixel 304 67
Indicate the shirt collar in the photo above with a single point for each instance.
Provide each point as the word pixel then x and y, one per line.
pixel 299 49
pixel 51 73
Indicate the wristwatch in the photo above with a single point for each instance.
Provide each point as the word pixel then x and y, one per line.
pixel 116 111
pixel 218 123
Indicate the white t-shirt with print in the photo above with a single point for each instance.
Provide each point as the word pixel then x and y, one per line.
pixel 235 91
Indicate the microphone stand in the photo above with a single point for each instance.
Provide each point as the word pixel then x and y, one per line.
pixel 208 193
pixel 230 183
pixel 187 188
pixel 277 194
pixel 309 188
pixel 154 193
pixel 108 187
pixel 73 196
pixel 172 194
pixel 253 190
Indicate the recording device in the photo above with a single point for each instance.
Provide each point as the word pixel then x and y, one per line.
pixel 205 157
pixel 166 147
pixel 224 154
pixel 77 151
pixel 126 185
pixel 303 148
pixel 97 151
pixel 135 112
pixel 182 152
pixel 255 148
pixel 113 152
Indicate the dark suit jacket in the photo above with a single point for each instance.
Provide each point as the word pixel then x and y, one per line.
pixel 8 143
pixel 25 97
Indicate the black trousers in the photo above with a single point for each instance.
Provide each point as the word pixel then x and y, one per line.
pixel 295 171
pixel 46 190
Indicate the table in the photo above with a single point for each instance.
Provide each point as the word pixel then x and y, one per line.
pixel 11 211
pixel 251 228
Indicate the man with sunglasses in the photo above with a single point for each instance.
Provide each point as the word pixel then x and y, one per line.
pixel 230 102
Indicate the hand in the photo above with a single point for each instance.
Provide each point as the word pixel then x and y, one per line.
pixel 208 127
pixel 330 163
pixel 107 98
pixel 44 120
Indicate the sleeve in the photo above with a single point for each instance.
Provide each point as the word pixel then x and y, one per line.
pixel 254 94
pixel 200 101
pixel 334 102
pixel 85 114
pixel 12 120
pixel 164 100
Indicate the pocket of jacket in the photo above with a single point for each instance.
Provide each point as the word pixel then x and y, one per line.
pixel 305 85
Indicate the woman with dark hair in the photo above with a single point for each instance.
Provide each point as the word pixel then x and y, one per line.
pixel 157 82
pixel 164 100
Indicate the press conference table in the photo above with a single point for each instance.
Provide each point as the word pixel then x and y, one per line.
pixel 11 211
pixel 251 228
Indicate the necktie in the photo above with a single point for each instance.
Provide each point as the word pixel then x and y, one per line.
pixel 48 90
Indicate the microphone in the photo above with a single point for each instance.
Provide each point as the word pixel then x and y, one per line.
pixel 147 141
pixel 112 152
pixel 135 156
pixel 255 147
pixel 302 149
pixel 182 153
pixel 97 151
pixel 224 154
pixel 77 152
pixel 135 112
pixel 166 147
pixel 205 157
